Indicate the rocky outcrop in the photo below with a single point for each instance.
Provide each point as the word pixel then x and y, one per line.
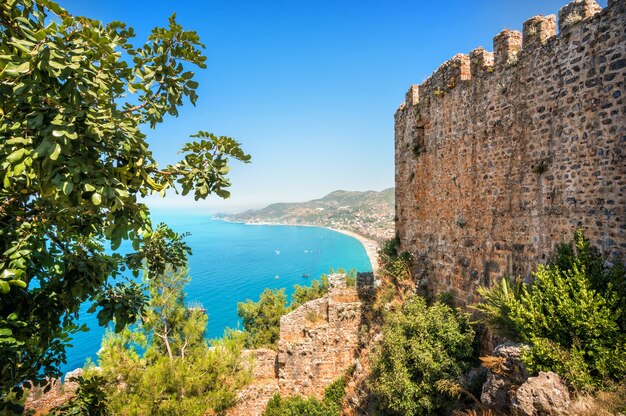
pixel 545 394
pixel 509 389
pixel 318 342
pixel 506 373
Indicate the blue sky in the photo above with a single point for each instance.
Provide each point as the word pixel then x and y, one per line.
pixel 309 87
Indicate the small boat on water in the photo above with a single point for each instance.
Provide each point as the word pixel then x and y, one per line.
pixel 305 275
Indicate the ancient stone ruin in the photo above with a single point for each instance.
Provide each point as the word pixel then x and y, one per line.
pixel 318 343
pixel 500 156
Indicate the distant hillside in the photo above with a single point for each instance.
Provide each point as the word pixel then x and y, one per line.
pixel 368 213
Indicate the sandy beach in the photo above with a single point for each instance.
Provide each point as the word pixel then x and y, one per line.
pixel 371 247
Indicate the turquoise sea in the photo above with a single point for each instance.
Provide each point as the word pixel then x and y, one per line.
pixel 234 262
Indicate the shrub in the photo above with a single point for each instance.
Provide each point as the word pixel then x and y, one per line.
pixel 395 265
pixel 423 352
pixel 390 248
pixel 572 315
pixel 299 406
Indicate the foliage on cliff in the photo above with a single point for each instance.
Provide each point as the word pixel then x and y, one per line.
pixel 178 372
pixel 76 98
pixel 330 405
pixel 572 314
pixel 424 350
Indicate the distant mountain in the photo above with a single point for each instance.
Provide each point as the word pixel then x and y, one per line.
pixel 368 213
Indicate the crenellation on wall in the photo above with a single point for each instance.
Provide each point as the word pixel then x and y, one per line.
pixel 412 95
pixel 481 62
pixel 492 174
pixel 576 12
pixel 537 30
pixel 450 74
pixel 506 46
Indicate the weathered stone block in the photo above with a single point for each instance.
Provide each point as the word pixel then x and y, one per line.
pixel 318 342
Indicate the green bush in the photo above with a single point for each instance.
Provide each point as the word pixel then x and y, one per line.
pixel 395 264
pixel 299 406
pixel 423 352
pixel 571 314
pixel 390 248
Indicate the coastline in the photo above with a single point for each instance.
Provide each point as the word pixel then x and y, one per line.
pixel 370 246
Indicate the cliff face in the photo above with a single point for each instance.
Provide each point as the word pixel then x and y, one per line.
pixel 318 343
pixel 500 156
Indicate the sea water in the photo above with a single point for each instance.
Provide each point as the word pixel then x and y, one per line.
pixel 233 262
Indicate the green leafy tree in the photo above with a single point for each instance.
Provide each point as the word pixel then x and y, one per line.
pixel 571 315
pixel 261 320
pixel 423 352
pixel 74 162
pixel 178 372
pixel 167 321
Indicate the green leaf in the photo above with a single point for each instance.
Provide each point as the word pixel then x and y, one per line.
pixel 56 152
pixel 18 283
pixel 17 69
pixel 96 199
pixel 122 192
pixel 15 156
pixel 7 274
pixel 68 187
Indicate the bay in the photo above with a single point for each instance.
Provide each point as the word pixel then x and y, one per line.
pixel 233 262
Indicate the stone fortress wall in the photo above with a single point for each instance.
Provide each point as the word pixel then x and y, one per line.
pixel 500 156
